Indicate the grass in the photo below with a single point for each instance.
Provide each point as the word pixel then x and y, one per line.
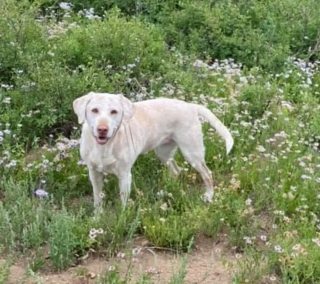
pixel 266 204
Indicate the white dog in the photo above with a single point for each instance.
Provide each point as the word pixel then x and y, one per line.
pixel 116 131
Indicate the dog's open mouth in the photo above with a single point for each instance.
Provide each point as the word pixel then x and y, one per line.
pixel 101 139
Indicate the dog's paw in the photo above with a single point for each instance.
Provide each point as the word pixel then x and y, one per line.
pixel 207 197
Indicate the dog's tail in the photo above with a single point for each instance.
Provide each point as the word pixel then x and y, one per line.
pixel 217 124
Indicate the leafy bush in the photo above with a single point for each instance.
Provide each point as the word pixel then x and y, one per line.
pixel 68 61
pixel 252 32
pixel 62 241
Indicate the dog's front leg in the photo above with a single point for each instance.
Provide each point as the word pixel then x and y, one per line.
pixel 125 179
pixel 96 179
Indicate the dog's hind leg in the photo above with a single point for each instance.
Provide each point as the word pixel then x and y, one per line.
pixel 166 153
pixel 193 150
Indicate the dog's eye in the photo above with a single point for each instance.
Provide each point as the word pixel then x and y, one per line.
pixel 95 110
pixel 114 111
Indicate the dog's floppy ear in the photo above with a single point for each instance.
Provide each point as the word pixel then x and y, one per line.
pixel 79 107
pixel 128 107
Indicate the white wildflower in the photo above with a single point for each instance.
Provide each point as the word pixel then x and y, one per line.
pixel 65 5
pixel 278 249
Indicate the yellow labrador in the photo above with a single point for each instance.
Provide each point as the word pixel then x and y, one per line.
pixel 116 131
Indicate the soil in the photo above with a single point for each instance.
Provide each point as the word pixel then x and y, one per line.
pixel 204 266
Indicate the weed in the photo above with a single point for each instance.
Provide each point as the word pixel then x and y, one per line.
pixel 5 268
pixel 62 241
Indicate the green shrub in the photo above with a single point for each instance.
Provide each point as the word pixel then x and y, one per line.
pixel 254 33
pixel 113 41
pixel 101 55
pixel 62 240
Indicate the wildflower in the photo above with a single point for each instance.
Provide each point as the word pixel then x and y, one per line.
pixel 316 241
pixel 41 193
pixel 305 177
pixel 162 220
pixel 290 196
pixel 112 268
pixel 278 212
pixel 238 255
pixel 164 206
pixel 263 238
pixel 261 149
pixel 160 193
pixel 248 240
pixel 296 247
pixel 92 234
pixel 248 211
pixel 199 64
pixel 278 249
pixel 286 105
pixel 131 66
pixel 12 163
pixel 102 195
pixel 248 201
pixel 273 278
pixel 99 231
pixel 5 86
pixel 7 100
pixel 286 219
pixel 152 270
pixel 65 5
pixel 121 255
pixel 235 184
pixel 89 14
pixel 136 251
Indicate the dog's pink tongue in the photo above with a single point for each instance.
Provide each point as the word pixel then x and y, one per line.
pixel 102 140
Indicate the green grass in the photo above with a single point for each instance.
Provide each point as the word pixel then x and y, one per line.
pixel 266 202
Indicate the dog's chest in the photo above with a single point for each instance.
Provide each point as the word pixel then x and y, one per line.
pixel 102 164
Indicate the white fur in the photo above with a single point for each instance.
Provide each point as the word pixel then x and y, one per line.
pixel 160 124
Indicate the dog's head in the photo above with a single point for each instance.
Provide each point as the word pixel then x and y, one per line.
pixel 103 112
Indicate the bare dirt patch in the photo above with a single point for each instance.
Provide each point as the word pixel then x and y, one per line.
pixel 204 265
